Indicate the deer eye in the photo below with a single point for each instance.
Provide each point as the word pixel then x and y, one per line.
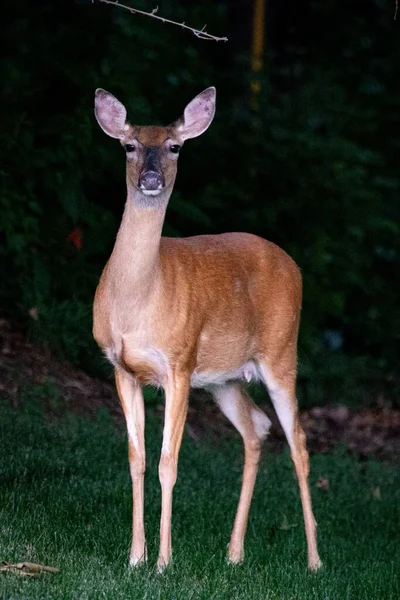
pixel 129 148
pixel 175 148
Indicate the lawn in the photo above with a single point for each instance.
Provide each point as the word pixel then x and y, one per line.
pixel 65 501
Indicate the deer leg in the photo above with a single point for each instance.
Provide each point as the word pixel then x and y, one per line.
pixel 176 403
pixel 131 397
pixel 284 399
pixel 253 425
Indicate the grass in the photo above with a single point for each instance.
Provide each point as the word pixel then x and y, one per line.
pixel 65 501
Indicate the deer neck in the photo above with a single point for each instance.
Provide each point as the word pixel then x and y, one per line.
pixel 135 262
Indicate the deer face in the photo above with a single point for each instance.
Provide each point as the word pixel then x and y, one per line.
pixel 152 152
pixel 152 158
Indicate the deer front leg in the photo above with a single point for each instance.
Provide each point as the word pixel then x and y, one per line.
pixel 176 403
pixel 131 397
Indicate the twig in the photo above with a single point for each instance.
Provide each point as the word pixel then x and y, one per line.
pixel 397 8
pixel 202 34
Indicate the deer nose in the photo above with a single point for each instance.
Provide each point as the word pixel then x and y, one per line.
pixel 151 180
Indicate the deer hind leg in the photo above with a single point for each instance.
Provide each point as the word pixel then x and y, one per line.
pixel 131 397
pixel 253 425
pixel 281 388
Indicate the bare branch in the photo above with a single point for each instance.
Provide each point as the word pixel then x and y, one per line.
pixel 200 33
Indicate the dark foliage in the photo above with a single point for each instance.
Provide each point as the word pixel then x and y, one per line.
pixel 315 170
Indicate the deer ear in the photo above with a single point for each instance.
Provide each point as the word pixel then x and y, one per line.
pixel 197 116
pixel 110 114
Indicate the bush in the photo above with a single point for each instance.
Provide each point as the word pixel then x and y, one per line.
pixel 314 170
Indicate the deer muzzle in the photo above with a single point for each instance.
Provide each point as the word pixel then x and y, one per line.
pixel 151 181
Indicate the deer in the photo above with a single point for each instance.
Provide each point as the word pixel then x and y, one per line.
pixel 208 311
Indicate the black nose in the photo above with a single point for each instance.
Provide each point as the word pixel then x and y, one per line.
pixel 151 180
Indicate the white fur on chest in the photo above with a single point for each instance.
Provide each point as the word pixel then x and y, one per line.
pixel 154 358
pixel 159 363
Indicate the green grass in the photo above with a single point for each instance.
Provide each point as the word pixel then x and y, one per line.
pixel 65 501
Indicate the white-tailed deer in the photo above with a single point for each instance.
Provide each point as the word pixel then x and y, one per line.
pixel 206 311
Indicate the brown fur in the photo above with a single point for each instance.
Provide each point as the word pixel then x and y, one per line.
pixel 206 310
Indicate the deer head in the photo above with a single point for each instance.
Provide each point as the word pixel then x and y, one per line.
pixel 152 151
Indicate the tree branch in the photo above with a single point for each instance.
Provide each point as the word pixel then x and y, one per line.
pixel 200 33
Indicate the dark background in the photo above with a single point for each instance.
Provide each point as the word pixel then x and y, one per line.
pixel 314 168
